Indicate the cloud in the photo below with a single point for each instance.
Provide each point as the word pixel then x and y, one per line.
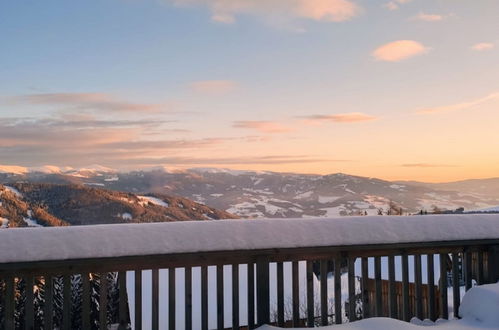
pixel 426 165
pixel 226 11
pixel 213 86
pixel 399 50
pixel 429 17
pixel 459 106
pixel 253 160
pixel 482 46
pixel 352 117
pixel 262 126
pixel 394 5
pixel 86 101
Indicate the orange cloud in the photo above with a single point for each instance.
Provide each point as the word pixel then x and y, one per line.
pixel 262 126
pixel 482 46
pixel 399 50
pixel 459 106
pixel 225 11
pixel 213 86
pixel 352 117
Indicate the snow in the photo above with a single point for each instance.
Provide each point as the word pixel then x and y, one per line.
pixel 4 223
pixel 478 311
pixel 30 221
pixel 226 235
pixel 14 191
pixel 153 200
pixel 13 169
pixel 304 195
pixel 327 199
pixel 490 209
pixel 481 304
pixel 125 216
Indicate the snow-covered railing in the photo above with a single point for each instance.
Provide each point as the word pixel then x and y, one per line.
pixel 243 272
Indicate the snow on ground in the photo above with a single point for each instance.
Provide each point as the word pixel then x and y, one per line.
pixel 30 221
pixel 227 235
pixel 304 195
pixel 4 223
pixel 153 200
pixel 327 199
pixel 14 191
pixel 490 209
pixel 478 311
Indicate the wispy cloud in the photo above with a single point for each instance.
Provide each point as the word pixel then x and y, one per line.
pixel 86 101
pixel 482 46
pixel 426 165
pixel 429 17
pixel 395 4
pixel 352 117
pixel 262 126
pixel 253 160
pixel 226 11
pixel 213 86
pixel 399 50
pixel 459 106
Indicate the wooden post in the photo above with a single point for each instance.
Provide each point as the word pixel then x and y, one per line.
pixel 262 292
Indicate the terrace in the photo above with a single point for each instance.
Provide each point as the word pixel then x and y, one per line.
pixel 240 274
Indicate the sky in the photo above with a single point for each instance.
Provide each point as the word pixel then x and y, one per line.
pixel 400 89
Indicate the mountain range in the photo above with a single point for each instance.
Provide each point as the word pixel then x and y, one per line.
pixel 257 194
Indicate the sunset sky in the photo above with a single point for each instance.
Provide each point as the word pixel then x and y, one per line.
pixel 395 89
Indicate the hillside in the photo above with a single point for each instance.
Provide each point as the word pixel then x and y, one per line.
pixel 36 204
pixel 253 194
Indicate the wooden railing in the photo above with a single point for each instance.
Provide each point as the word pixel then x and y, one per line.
pixel 77 293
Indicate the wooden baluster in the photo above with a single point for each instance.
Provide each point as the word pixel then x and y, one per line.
pixel 431 288
pixel 310 294
pixel 48 312
pixel 365 291
pixel 324 300
pixel 103 301
pixel 235 296
pixel 480 266
pixel 351 289
pixel 406 315
pixel 456 294
pixel 338 315
pixel 85 301
pixel 280 294
pixel 188 298
pixel 204 298
pixel 419 286
pixel 262 292
pixel 123 308
pixel 378 287
pixel 295 294
pixel 220 297
pixel 28 307
pixel 251 296
pixel 468 269
pixel 172 299
pixel 66 309
pixel 444 310
pixel 155 299
pixel 10 303
pixel 392 290
pixel 138 299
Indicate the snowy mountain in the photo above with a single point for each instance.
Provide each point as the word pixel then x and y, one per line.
pixel 34 205
pixel 269 194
